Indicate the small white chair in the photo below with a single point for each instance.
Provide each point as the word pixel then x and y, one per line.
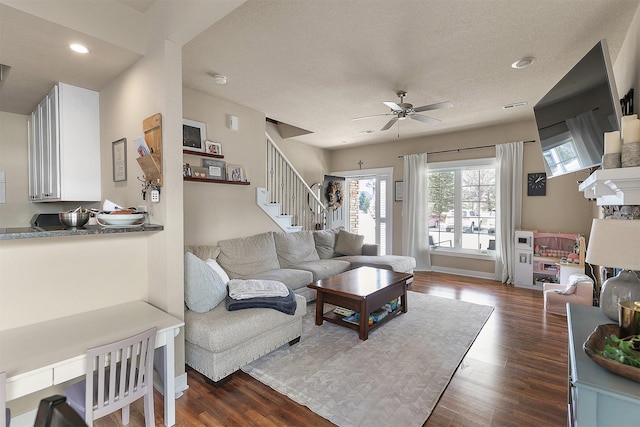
pixel 555 302
pixel 117 375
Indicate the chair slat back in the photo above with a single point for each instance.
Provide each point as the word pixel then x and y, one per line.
pixel 123 371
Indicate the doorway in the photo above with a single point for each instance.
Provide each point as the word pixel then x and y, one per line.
pixel 369 209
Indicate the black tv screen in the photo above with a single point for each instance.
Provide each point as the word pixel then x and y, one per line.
pixel 574 115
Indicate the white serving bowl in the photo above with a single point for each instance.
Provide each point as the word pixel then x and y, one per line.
pixel 119 219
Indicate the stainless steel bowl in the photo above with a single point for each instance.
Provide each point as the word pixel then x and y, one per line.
pixel 74 219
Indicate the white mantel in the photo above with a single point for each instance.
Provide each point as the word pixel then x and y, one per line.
pixel 613 186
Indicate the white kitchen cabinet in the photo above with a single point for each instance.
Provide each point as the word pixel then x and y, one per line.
pixel 64 146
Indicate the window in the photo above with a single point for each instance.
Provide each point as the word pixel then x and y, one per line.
pixel 462 205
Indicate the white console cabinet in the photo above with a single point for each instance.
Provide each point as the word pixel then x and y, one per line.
pixel 597 397
pixel 64 146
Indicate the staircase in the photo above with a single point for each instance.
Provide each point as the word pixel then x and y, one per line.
pixel 288 200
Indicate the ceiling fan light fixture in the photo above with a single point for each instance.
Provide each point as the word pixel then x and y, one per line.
pixel 523 62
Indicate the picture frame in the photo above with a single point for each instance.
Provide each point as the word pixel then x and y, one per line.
pixel 194 135
pixel 199 172
pixel 119 156
pixel 399 191
pixel 236 173
pixel 211 147
pixel 216 169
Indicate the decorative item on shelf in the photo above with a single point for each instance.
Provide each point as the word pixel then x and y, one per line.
pixel 186 170
pixel 194 135
pixel 612 150
pixel 614 243
pixel 236 173
pixel 629 318
pixel 630 153
pixel 216 169
pixel 198 172
pixel 213 148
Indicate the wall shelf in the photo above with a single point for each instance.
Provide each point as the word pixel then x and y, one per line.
pixel 216 181
pixel 619 186
pixel 202 154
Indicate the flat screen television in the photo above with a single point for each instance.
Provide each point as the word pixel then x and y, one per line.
pixel 574 115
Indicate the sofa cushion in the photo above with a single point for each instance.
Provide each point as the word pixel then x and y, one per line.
pixel 325 241
pixel 203 288
pixel 294 248
pixel 324 268
pixel 295 279
pixel 349 243
pixel 203 251
pixel 399 263
pixel 219 330
pixel 248 255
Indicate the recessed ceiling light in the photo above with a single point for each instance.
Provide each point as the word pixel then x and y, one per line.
pixel 523 62
pixel 76 47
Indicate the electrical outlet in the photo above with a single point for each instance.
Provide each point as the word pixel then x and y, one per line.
pixel 142 208
pixel 155 196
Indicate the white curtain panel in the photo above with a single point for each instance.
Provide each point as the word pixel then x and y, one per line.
pixel 415 232
pixel 509 202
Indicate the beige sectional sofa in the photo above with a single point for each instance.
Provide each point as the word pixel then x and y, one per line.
pixel 219 342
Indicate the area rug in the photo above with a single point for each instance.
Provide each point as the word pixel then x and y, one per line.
pixel 396 377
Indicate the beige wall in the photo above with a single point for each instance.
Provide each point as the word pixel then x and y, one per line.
pixel 563 209
pixel 214 212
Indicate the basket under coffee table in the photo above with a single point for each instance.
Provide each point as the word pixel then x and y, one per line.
pixel 362 290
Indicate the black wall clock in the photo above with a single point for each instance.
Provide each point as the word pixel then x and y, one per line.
pixel 537 184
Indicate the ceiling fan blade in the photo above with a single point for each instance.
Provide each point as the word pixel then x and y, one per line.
pixel 393 106
pixel 436 106
pixel 425 119
pixel 389 124
pixel 371 117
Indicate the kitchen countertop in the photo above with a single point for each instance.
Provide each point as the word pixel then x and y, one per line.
pixel 60 231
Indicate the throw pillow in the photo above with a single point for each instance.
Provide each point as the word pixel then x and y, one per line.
pixel 218 270
pixel 349 243
pixel 203 288
pixel 325 241
pixel 295 248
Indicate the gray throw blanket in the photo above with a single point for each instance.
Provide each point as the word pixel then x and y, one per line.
pixel 286 305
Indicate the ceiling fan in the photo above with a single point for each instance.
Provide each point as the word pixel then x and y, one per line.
pixel 403 110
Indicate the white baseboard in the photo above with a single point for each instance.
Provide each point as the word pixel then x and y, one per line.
pixel 466 273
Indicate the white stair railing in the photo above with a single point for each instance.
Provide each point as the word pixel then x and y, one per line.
pixel 285 187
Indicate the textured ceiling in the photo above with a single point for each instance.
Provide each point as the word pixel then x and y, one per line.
pixel 317 64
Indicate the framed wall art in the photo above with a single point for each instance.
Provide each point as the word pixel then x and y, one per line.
pixel 399 190
pixel 236 173
pixel 211 147
pixel 194 135
pixel 119 156
pixel 216 169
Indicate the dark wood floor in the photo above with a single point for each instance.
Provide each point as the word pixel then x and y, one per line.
pixel 515 374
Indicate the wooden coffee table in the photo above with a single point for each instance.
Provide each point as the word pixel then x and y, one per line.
pixel 362 290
